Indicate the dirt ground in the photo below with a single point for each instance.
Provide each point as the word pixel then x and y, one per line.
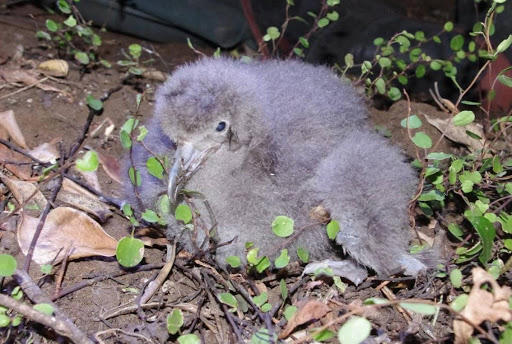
pixel 47 116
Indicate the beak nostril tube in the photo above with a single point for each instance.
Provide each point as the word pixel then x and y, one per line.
pixel 271 138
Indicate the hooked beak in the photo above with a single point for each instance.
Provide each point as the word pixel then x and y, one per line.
pixel 187 159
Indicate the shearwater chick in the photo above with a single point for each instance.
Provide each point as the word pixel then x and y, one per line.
pixel 271 138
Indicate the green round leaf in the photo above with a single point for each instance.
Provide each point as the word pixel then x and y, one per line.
pixel 436 65
pixel 438 156
pixel 419 35
pixel 448 26
pixel 422 140
pixel 82 57
pixel 134 176
pixel 228 299
pixel 394 93
pixel 380 85
pixel 17 320
pixel 333 227
pixel 354 330
pixel 94 103
pixel 282 226
pixel 17 293
pixel 273 33
pixel 189 339
pixel 505 80
pixel 456 278
pixel 323 335
pixel 234 261
pixel 150 216
pixel 135 50
pixel 155 168
pixel 460 302
pixel 349 60
pixel 4 320
pixel 378 41
pixel 63 6
pixel 51 25
pixel 263 264
pixel 89 162
pixel 420 71
pixel 303 254
pixel 43 35
pixel 71 21
pixel 323 22
pixel 174 321
pixel 414 122
pixel 385 62
pixel 129 251
pixel 457 42
pixel 289 311
pixel 44 308
pixel 260 299
pixel 183 213
pixel 463 118
pixel 333 16
pixel 282 260
pixel 7 265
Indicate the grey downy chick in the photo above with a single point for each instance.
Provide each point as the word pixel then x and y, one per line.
pixel 273 138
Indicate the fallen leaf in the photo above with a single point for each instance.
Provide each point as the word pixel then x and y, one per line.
pixel 65 229
pixel 30 78
pixel 111 167
pixel 151 237
pixel 8 121
pixel 78 197
pixel 91 178
pixel 483 305
pixel 153 74
pixel 56 67
pixel 22 191
pixel 20 168
pixel 311 310
pixel 46 152
pixel 458 134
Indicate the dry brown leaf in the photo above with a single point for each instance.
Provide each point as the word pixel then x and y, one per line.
pixel 22 190
pixel 65 229
pixel 458 134
pixel 153 74
pixel 151 237
pixel 91 178
pixel 58 68
pixel 21 171
pixel 483 305
pixel 111 166
pixel 29 78
pixel 8 121
pixel 311 310
pixel 46 152
pixel 78 197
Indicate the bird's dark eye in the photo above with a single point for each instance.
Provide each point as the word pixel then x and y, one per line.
pixel 221 126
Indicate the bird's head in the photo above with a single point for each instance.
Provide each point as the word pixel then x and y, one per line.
pixel 202 111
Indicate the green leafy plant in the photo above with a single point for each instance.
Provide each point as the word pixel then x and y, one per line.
pixel 326 15
pixel 73 37
pixel 132 62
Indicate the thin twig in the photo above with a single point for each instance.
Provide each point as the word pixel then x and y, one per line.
pixel 35 294
pixel 40 225
pixel 54 322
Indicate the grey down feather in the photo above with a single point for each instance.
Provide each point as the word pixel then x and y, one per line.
pixel 272 138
